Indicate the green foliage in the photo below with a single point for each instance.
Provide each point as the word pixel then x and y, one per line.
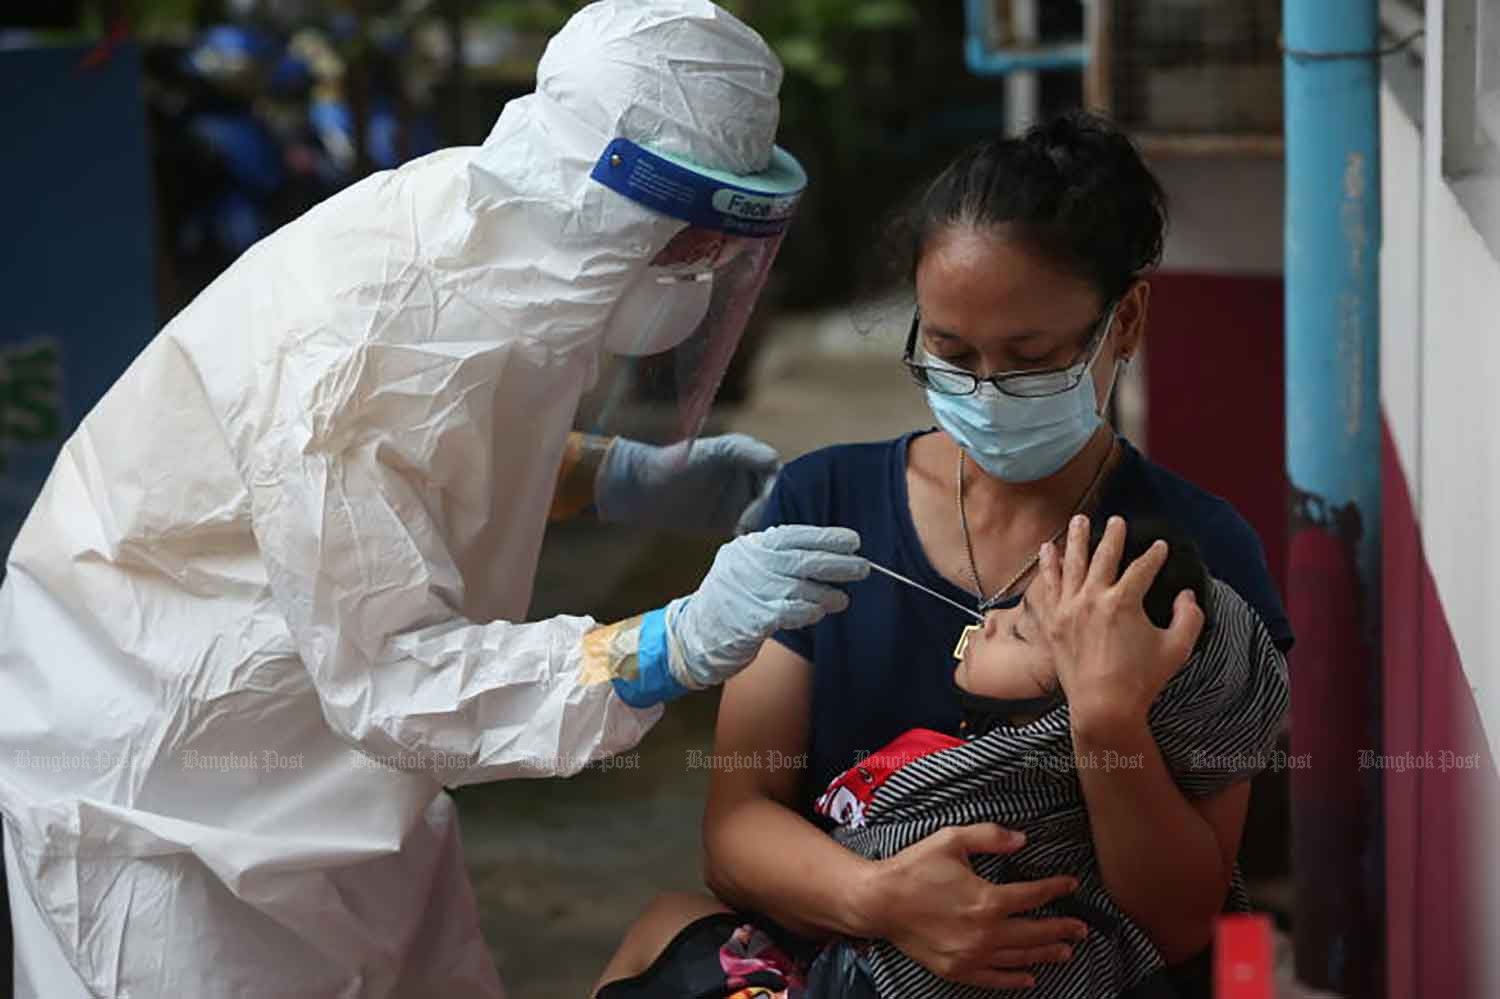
pixel 540 16
pixel 806 56
pixel 147 18
pixel 884 15
pixel 811 36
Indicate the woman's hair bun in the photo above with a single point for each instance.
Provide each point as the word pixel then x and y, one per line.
pixel 1074 186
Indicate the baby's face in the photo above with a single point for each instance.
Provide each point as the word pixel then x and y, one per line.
pixel 1003 658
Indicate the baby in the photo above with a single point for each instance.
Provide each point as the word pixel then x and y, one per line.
pixel 1005 677
pixel 1013 764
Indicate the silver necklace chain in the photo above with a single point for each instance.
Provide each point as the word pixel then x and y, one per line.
pixel 963 520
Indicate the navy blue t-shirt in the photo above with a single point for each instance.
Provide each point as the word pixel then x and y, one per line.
pixel 885 665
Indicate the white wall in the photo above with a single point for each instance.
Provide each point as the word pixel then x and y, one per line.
pixel 1440 393
pixel 1457 463
pixel 1401 284
pixel 1440 347
pixel 1226 214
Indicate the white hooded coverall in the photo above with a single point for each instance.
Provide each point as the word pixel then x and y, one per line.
pixel 266 606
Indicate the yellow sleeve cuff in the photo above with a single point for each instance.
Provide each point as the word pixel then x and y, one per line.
pixel 574 493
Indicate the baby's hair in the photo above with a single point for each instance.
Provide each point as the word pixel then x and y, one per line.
pixel 1184 568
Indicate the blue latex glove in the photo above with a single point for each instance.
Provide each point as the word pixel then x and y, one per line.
pixel 718 485
pixel 782 577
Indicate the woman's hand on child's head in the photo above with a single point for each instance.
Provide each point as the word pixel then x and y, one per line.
pixel 929 903
pixel 1112 662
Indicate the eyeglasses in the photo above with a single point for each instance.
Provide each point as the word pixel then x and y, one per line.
pixel 949 380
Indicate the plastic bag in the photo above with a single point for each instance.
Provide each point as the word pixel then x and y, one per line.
pixel 839 972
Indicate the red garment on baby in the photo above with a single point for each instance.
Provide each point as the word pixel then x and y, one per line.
pixel 850 793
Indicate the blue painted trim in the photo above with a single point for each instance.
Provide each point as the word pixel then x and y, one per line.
pixel 985 61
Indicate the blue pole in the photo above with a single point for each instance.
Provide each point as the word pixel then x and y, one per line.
pixel 1333 464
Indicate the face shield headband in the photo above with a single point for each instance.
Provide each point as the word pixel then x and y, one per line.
pixel 751 205
pixel 681 320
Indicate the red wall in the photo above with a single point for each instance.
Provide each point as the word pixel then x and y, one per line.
pixel 1215 393
pixel 1435 811
pixel 1215 415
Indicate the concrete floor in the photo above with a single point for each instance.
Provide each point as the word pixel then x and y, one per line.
pixel 562 867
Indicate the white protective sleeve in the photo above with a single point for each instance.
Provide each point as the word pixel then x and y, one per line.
pixel 350 521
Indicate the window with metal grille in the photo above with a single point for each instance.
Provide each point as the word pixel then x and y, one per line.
pixel 1471 111
pixel 1190 72
pixel 1471 87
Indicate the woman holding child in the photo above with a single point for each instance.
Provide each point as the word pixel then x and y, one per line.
pixel 950 864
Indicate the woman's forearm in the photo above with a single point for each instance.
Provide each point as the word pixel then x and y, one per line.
pixel 1158 857
pixel 761 855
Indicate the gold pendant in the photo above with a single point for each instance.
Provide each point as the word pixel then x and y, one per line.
pixel 963 640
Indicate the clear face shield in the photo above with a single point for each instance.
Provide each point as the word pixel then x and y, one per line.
pixel 672 335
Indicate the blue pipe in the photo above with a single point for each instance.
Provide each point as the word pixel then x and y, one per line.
pixel 985 61
pixel 1333 446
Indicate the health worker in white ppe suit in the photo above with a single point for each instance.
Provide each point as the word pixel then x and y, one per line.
pixel 271 600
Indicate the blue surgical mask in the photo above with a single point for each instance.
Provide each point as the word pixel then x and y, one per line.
pixel 1016 439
